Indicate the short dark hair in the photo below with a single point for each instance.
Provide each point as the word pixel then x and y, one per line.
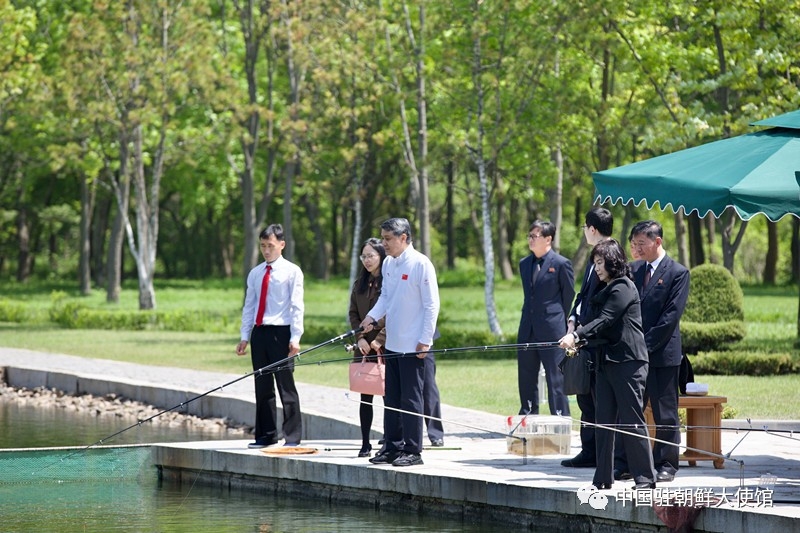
pixel 397 226
pixel 547 228
pixel 650 228
pixel 363 276
pixel 272 229
pixel 600 219
pixel 613 255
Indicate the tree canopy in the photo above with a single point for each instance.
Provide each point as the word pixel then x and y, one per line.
pixel 155 138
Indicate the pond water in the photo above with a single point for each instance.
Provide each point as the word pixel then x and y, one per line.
pixel 118 490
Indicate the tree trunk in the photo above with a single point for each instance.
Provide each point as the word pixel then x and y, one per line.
pixel 321 260
pixel 121 186
pixel 356 248
pixel 451 215
pixel 100 228
pixel 84 244
pixel 771 262
pixel 556 209
pixel 795 250
pixel 729 244
pixel 503 247
pixel 680 238
pixel 711 238
pixel 424 215
pixel 25 257
pixel 697 254
pixel 480 163
pixel 143 248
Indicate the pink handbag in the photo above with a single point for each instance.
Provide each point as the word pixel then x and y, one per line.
pixel 368 377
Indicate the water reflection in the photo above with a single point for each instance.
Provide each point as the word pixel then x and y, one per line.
pixel 140 501
pixel 30 426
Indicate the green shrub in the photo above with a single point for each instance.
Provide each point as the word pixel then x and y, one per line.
pixel 73 315
pixel 714 313
pixel 744 363
pixel 714 296
pixel 459 338
pixel 466 274
pixel 11 312
pixel 698 337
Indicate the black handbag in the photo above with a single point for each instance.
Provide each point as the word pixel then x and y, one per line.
pixel 577 371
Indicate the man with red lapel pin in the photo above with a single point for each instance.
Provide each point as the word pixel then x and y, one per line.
pixel 663 288
pixel 410 302
pixel 548 285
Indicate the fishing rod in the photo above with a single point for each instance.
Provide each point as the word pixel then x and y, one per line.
pixel 351 348
pixel 256 373
pixel 610 427
pixel 764 429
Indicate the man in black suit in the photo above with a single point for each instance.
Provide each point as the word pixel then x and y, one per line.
pixel 599 224
pixel 548 285
pixel 664 287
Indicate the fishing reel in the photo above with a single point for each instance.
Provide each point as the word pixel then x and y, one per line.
pixel 350 348
pixel 572 352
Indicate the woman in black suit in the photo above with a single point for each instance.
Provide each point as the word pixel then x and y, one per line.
pixel 615 328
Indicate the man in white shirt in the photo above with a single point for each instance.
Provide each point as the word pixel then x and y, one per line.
pixel 272 322
pixel 410 302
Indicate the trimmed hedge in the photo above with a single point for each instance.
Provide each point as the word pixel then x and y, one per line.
pixel 714 313
pixel 73 315
pixel 743 363
pixel 697 337
pixel 714 295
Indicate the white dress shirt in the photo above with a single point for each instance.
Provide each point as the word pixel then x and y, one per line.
pixel 284 298
pixel 409 300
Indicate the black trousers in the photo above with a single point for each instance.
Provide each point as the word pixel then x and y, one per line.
pixel 431 403
pixel 662 393
pixel 268 345
pixel 586 403
pixel 620 394
pixel 528 363
pixel 405 379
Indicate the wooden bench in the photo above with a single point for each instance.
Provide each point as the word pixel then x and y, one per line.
pixel 703 423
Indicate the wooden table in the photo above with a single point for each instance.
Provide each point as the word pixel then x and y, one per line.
pixel 703 423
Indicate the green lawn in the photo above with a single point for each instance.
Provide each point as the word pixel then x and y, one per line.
pixel 472 383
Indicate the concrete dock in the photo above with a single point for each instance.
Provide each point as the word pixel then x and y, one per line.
pixel 473 477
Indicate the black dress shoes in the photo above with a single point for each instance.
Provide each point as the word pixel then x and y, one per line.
pixel 619 475
pixel 664 476
pixel 580 461
pixel 262 443
pixel 437 443
pixel 643 486
pixel 408 459
pixel 384 458
pixel 602 486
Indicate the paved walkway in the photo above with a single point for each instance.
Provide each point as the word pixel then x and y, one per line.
pixel 472 452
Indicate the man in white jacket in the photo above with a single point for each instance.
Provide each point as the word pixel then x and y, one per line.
pixel 410 302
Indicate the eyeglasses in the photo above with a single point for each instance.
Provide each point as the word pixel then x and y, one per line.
pixel 584 226
pixel 364 257
pixel 533 236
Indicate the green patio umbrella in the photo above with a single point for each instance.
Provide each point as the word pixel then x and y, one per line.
pixel 752 173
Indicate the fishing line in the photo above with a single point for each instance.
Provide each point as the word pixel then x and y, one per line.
pixel 255 373
pixel 491 431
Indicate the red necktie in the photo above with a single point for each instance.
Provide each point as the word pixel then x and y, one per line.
pixel 262 302
pixel 647 275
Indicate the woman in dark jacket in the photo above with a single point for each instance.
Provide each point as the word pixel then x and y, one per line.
pixel 366 290
pixel 615 328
